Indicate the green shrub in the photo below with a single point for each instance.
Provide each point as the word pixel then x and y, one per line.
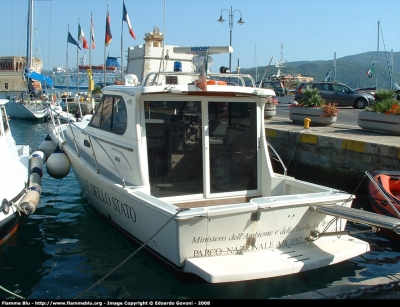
pixel 384 94
pixel 385 102
pixel 97 90
pixel 312 98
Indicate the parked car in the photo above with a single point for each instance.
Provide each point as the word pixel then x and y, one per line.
pixel 275 85
pixel 339 93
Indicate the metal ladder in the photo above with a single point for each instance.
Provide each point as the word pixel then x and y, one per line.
pixel 360 216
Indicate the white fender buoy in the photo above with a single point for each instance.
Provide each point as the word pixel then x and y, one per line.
pixel 31 199
pixel 58 164
pixel 47 147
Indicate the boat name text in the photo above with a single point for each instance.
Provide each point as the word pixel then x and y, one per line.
pixel 246 248
pixel 252 235
pixel 111 201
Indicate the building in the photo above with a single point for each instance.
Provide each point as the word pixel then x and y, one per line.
pixel 154 56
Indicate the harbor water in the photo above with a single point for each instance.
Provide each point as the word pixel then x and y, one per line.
pixel 64 248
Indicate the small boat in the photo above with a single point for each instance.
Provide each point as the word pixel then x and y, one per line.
pixel 27 90
pixel 384 192
pixel 28 109
pixel 180 164
pixel 20 179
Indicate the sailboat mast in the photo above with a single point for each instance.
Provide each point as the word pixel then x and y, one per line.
pixel 391 69
pixel 377 61
pixel 255 62
pixel 29 36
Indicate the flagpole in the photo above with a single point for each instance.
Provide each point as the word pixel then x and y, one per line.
pixel 77 59
pixel 91 42
pixel 90 87
pixel 122 45
pixel 104 67
pixel 334 65
pixel 77 67
pixel 66 95
pixel 67 63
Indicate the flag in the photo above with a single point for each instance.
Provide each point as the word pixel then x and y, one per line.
pixel 92 33
pixel 371 71
pixel 81 37
pixel 108 30
pixel 328 76
pixel 125 17
pixel 73 41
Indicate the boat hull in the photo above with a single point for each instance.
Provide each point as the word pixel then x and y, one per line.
pixel 20 180
pixel 15 176
pixel 217 243
pixel 8 225
pixel 389 182
pixel 29 111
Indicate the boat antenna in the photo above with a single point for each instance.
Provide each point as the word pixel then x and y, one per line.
pixel 266 69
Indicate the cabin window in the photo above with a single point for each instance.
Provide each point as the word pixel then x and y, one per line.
pixel 233 146
pixel 110 115
pixel 175 132
pixel 174 147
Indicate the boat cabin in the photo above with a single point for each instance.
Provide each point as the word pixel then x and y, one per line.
pixel 194 142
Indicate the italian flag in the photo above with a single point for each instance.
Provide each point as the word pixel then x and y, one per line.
pixel 81 38
pixel 92 33
pixel 371 71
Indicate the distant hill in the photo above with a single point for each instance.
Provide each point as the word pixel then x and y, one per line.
pixel 350 70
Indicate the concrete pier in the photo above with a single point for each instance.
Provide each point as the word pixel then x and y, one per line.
pixel 331 155
pixel 337 156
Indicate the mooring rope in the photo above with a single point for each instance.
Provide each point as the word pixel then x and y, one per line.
pixel 134 253
pixel 12 293
pixel 305 130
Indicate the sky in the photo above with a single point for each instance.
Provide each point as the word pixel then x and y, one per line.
pixel 291 30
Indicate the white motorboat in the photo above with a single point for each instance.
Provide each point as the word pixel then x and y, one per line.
pixel 180 163
pixel 20 180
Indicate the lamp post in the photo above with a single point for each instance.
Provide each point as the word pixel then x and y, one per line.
pixel 240 22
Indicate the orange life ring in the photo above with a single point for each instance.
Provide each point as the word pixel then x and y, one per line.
pixel 216 82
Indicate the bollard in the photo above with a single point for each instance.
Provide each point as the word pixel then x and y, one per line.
pixel 307 123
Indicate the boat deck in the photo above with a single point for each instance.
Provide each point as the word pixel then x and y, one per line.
pixel 215 202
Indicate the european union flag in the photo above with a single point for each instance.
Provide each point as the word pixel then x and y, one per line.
pixel 73 41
